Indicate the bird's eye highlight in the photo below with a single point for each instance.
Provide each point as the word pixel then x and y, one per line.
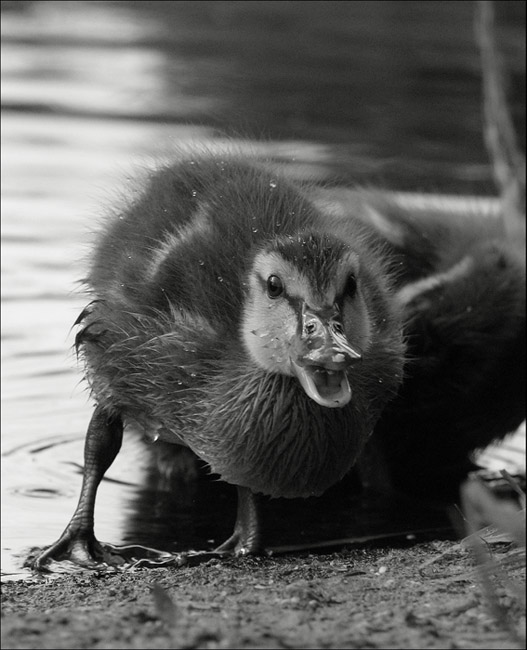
pixel 351 286
pixel 275 287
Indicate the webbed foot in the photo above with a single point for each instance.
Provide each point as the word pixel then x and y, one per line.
pixel 83 551
pixel 246 538
pixel 77 545
pixel 72 553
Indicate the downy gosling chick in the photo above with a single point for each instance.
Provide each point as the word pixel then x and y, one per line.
pixel 227 318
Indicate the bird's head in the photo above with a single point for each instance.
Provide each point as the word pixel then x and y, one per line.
pixel 305 314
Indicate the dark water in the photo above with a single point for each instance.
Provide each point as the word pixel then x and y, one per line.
pixel 382 92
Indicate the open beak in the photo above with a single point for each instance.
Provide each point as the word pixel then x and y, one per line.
pixel 323 357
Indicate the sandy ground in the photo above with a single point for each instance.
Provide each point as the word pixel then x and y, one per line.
pixel 426 595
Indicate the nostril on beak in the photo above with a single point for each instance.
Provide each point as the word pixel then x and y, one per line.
pixel 315 334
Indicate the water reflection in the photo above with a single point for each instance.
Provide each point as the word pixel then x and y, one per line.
pixel 394 87
pixel 93 92
pixel 200 514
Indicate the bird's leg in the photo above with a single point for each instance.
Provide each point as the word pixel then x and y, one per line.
pixel 77 543
pixel 246 538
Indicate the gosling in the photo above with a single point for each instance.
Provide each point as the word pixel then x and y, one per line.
pixel 228 317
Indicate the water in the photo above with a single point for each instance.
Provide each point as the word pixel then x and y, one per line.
pixel 92 92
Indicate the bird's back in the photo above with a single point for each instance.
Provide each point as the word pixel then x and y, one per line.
pixel 189 237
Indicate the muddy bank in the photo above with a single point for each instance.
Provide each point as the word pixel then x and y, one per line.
pixel 429 595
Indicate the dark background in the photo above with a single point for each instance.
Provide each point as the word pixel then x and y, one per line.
pixel 393 88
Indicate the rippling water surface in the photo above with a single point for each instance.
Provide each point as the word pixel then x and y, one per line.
pixel 92 92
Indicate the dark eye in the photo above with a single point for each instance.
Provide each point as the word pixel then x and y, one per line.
pixel 274 286
pixel 351 286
